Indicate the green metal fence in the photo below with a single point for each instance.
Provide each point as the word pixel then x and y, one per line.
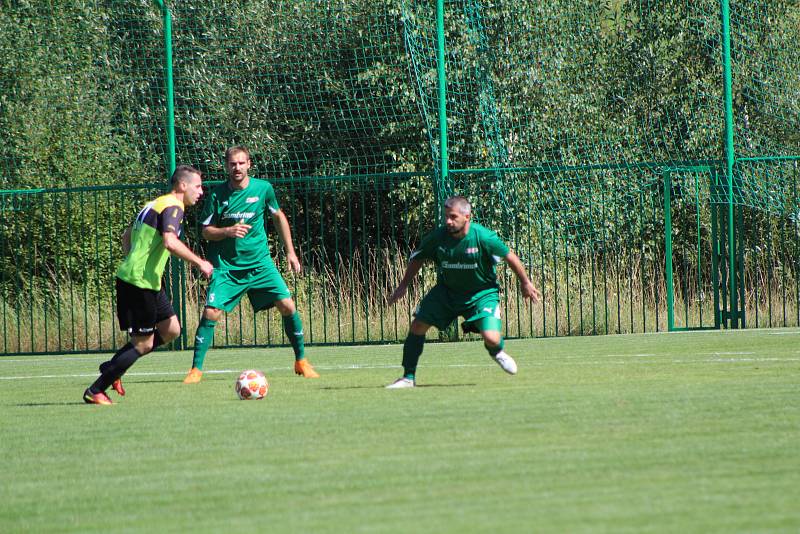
pixel 62 246
pixel 640 156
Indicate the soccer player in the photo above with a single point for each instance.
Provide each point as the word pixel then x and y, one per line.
pixel 233 223
pixel 142 306
pixel 465 254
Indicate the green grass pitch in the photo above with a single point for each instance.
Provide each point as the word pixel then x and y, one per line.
pixel 690 432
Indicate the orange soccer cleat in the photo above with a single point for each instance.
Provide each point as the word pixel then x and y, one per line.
pixel 117 385
pixel 305 369
pixel 96 398
pixel 194 376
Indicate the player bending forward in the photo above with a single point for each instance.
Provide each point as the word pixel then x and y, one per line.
pixel 465 255
pixel 142 306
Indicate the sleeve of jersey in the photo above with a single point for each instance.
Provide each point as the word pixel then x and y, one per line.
pixel 425 248
pixel 271 200
pixel 207 215
pixel 496 248
pixel 170 220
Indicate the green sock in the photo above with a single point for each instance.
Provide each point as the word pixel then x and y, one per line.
pixel 203 339
pixel 412 350
pixel 293 327
pixel 497 348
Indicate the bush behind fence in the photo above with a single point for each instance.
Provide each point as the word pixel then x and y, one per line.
pixel 562 122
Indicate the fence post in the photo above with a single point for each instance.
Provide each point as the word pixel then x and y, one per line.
pixel 668 249
pixel 168 86
pixel 177 268
pixel 733 313
pixel 442 97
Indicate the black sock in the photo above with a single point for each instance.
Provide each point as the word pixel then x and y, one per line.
pixel 157 340
pixel 115 368
pixel 412 350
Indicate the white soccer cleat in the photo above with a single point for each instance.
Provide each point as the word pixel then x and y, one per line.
pixel 401 383
pixel 506 362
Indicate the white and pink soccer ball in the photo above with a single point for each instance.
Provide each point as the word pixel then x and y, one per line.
pixel 252 385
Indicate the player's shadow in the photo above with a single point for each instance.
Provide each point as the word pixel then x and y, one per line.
pixel 342 388
pixel 33 404
pixel 472 385
pixel 171 381
pixel 162 381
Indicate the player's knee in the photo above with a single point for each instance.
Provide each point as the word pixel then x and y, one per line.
pixel 491 338
pixel 168 329
pixel 285 306
pixel 142 344
pixel 419 328
pixel 172 331
pixel 212 314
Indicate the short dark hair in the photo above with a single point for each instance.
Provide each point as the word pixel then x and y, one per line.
pixel 459 203
pixel 183 173
pixel 235 149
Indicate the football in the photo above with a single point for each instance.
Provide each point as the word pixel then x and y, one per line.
pixel 252 385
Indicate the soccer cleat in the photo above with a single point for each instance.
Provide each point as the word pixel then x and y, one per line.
pixel 96 398
pixel 305 369
pixel 117 385
pixel 402 383
pixel 505 362
pixel 194 376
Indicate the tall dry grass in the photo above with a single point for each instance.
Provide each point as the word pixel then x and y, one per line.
pixel 345 302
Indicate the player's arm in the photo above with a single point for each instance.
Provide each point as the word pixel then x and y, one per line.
pixel 529 291
pixel 285 235
pixel 215 233
pixel 210 216
pixel 126 239
pixel 412 269
pixel 177 248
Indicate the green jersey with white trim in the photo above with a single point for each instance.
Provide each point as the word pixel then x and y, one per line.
pixel 465 265
pixel 226 207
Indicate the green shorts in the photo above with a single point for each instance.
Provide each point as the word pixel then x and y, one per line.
pixel 263 286
pixel 481 310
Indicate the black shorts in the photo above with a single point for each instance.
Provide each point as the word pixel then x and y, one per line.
pixel 140 310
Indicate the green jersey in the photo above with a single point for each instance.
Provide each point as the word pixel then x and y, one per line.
pixel 465 265
pixel 226 207
pixel 144 264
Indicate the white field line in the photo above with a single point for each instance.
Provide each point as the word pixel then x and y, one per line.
pixel 55 359
pixel 740 353
pixel 101 358
pixel 230 371
pixel 389 366
pixel 784 333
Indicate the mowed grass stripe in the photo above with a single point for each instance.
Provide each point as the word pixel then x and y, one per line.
pixel 594 434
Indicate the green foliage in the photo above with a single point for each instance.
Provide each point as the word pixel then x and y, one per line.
pixel 62 99
pixel 562 118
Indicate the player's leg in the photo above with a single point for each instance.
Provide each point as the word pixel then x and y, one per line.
pixel 434 310
pixel 268 289
pixel 167 329
pixel 113 369
pixel 203 339
pixel 483 312
pixel 137 311
pixel 224 292
pixel 494 343
pixel 412 350
pixel 293 328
